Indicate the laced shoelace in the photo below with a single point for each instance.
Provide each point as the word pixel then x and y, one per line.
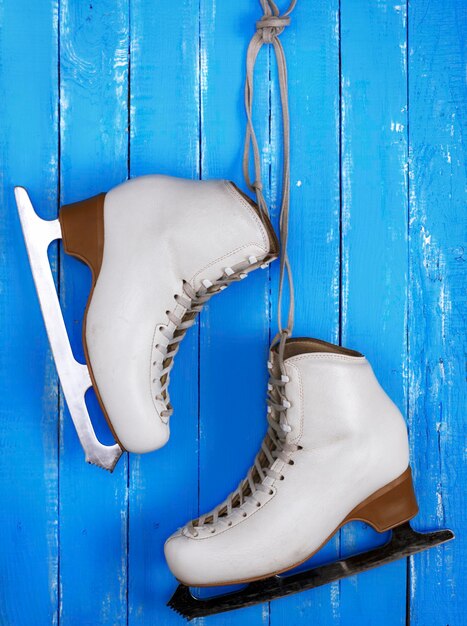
pixel 192 302
pixel 274 446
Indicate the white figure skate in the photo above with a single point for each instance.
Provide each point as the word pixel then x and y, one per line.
pixel 158 248
pixel 336 448
pixel 336 451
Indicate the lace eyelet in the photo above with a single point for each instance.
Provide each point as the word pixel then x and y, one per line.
pixel 299 447
pixel 282 478
pixel 271 492
pixel 213 531
pixel 229 524
pixel 291 462
pixel 258 504
pixel 244 514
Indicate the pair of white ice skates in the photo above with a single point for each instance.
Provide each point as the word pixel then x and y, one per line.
pixel 336 447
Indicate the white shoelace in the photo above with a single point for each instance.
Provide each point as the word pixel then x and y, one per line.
pixel 268 29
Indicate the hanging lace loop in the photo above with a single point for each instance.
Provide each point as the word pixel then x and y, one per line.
pixel 268 29
pixel 275 446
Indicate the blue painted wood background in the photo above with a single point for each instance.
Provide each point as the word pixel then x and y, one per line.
pixel 95 91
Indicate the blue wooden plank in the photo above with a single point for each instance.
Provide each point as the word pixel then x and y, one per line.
pixel 183 95
pixel 312 48
pixel 93 122
pixel 374 250
pixel 164 140
pixel 235 325
pixel 28 382
pixel 437 393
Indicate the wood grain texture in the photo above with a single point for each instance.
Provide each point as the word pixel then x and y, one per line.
pixel 437 304
pixel 28 381
pixel 164 140
pixel 235 324
pixel 94 92
pixel 312 47
pixel 93 131
pixel 374 247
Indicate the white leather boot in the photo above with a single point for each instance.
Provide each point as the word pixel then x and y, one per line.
pixel 336 450
pixel 159 248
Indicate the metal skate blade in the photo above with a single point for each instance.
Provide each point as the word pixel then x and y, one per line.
pixel 74 376
pixel 403 543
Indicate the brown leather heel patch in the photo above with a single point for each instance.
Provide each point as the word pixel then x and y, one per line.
pixel 388 507
pixel 83 231
pixel 82 226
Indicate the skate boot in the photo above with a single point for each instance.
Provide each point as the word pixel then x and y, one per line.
pixel 336 450
pixel 158 248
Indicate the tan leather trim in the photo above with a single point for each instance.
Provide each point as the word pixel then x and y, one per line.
pixel 83 231
pixel 308 345
pixel 82 226
pixel 388 507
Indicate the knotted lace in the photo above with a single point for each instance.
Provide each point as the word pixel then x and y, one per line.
pixel 192 302
pixel 275 445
